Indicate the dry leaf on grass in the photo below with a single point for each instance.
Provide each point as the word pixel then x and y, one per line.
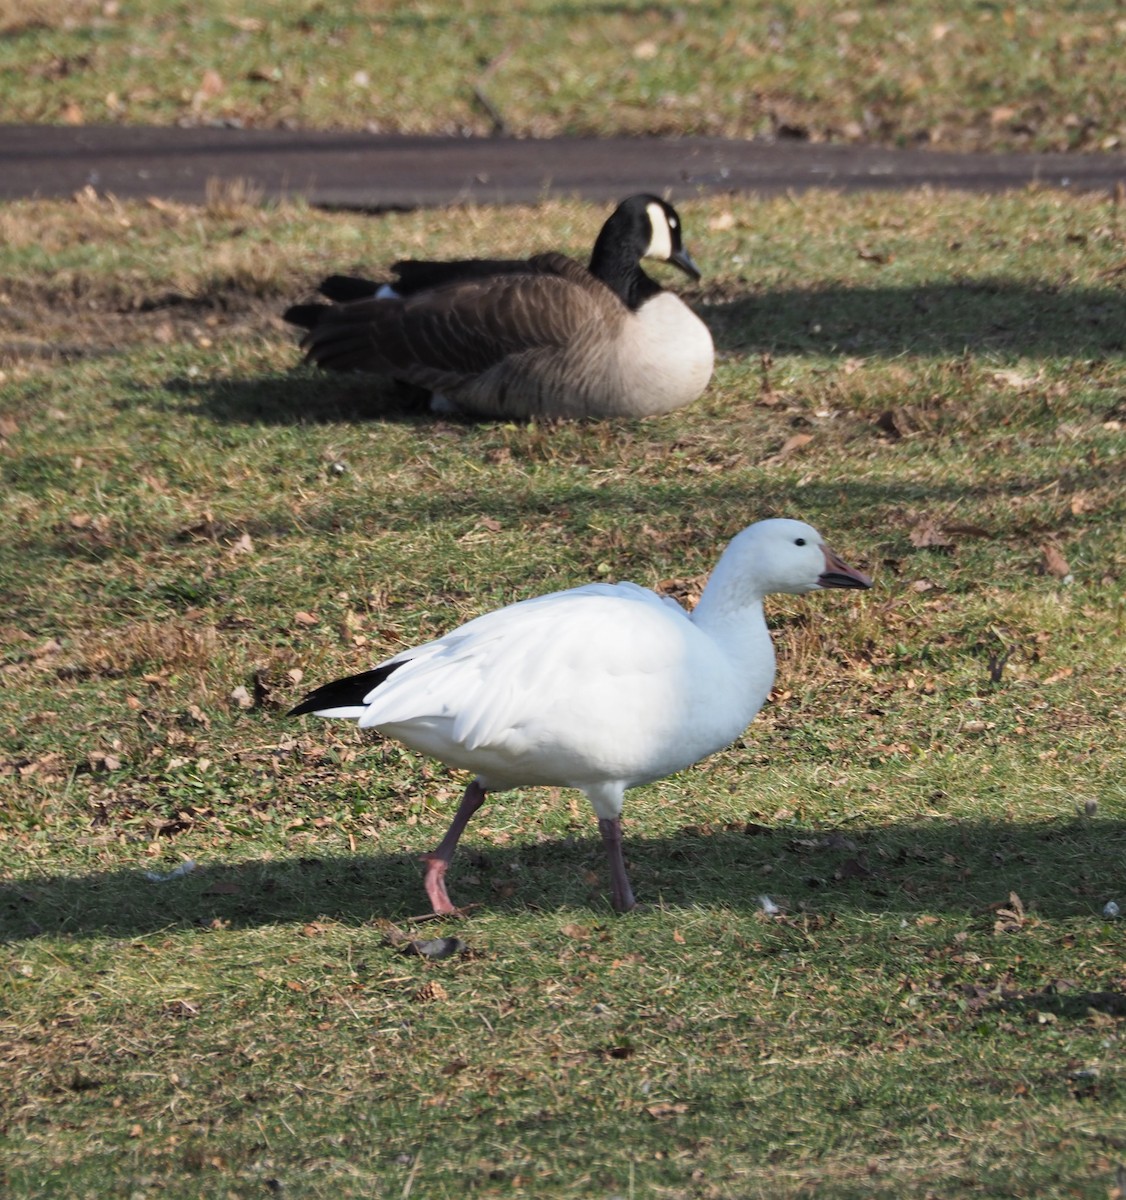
pixel 904 421
pixel 1010 915
pixel 182 1009
pixel 927 535
pixel 792 444
pixel 1054 562
pixel 661 1112
pixel 879 257
pixel 1014 379
pixel 211 85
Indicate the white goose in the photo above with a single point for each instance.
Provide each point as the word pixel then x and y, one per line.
pixel 600 688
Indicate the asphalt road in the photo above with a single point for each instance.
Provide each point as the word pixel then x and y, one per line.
pixel 362 171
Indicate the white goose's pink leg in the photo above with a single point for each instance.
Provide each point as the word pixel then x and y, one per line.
pixel 439 860
pixel 621 894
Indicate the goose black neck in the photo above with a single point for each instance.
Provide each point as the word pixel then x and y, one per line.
pixel 618 264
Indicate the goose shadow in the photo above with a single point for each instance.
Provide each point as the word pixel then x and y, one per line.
pixel 1062 870
pixel 302 396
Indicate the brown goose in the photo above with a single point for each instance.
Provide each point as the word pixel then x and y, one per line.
pixel 542 337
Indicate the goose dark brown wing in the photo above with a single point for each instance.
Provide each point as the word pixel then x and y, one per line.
pixel 445 336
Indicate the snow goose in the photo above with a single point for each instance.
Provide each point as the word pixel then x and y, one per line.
pixel 540 337
pixel 601 688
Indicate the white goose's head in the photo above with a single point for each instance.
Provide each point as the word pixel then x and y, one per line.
pixel 778 555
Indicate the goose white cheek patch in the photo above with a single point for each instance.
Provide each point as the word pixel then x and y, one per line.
pixel 660 246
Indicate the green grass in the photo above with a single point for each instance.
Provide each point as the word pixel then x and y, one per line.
pixel 175 492
pixel 974 75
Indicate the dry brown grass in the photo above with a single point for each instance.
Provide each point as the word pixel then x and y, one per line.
pixel 23 16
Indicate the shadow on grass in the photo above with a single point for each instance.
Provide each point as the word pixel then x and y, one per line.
pixel 1004 318
pixel 963 871
pixel 303 397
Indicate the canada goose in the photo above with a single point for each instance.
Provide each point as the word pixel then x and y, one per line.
pixel 600 688
pixel 542 337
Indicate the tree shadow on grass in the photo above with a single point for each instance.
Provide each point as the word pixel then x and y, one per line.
pixel 1004 318
pixel 1061 870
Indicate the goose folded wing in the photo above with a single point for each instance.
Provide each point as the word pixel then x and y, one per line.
pixel 472 326
pixel 493 681
pixel 440 339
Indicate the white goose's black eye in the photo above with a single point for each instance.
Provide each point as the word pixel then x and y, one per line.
pixel 799 541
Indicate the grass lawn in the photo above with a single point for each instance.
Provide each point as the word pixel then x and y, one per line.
pixel 972 74
pixel 193 530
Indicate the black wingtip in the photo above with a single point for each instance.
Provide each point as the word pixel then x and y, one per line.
pixel 345 288
pixel 305 316
pixel 345 693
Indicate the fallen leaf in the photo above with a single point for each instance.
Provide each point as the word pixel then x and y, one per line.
pixel 789 446
pixel 903 422
pixel 1081 502
pixel 660 1112
pixel 1015 379
pixel 1054 561
pixel 927 535
pixel 211 84
pixel 429 992
pixel 306 618
pixel 796 442
pixel 180 1008
pixel 575 931
pixel 242 697
pixel 873 256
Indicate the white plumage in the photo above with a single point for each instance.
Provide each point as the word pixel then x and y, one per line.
pixel 601 688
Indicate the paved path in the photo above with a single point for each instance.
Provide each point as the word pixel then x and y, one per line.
pixel 355 170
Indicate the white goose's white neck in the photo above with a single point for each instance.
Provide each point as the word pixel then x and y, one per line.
pixel 732 616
